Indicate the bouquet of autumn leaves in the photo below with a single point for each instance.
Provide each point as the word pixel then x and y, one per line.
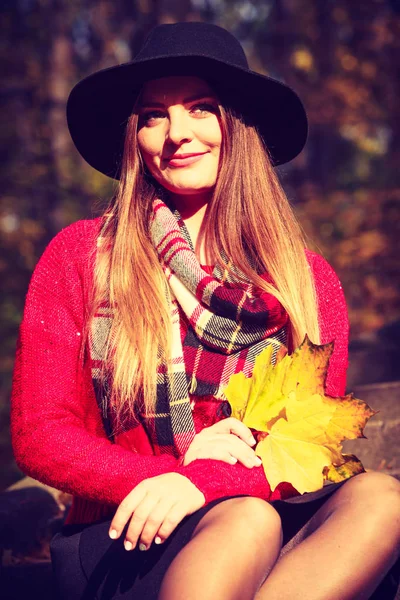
pixel 299 429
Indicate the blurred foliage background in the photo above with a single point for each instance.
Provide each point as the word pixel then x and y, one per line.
pixel 341 57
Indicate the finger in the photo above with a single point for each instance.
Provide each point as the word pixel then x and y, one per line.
pixel 153 523
pixel 175 515
pixel 232 425
pixel 125 510
pixel 228 448
pixel 138 521
pixel 215 452
pixel 241 451
pixel 225 456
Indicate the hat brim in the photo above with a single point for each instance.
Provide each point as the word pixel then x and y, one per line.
pixel 99 106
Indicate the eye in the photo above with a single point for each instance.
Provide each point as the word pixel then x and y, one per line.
pixel 149 117
pixel 204 109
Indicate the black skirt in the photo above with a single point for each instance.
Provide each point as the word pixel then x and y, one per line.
pixel 89 565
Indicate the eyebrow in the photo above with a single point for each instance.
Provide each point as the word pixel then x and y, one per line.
pixel 198 96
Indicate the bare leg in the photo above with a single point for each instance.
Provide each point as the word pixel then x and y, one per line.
pixel 235 544
pixel 355 541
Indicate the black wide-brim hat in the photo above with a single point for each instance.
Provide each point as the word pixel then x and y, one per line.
pixel 99 106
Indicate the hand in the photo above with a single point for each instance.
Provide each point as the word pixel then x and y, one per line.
pixel 228 440
pixel 155 507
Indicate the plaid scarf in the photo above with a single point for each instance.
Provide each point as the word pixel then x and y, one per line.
pixel 219 326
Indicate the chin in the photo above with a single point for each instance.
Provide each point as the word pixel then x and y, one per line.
pixel 189 189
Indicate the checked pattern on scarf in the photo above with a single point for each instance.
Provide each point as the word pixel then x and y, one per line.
pixel 219 325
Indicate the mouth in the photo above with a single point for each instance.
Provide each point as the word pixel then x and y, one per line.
pixel 184 159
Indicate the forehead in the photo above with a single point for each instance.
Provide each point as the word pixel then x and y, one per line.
pixel 175 89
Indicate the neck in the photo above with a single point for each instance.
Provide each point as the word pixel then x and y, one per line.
pixel 192 210
pixel 190 205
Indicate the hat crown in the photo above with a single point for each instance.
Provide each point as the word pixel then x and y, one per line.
pixel 192 39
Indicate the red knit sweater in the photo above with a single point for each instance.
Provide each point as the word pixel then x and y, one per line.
pixel 56 426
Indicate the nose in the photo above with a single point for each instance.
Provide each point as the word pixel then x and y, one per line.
pixel 179 130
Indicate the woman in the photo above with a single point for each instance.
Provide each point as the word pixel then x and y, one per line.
pixel 135 321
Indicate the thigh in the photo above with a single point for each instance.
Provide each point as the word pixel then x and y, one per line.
pixel 373 500
pixel 374 495
pixel 244 532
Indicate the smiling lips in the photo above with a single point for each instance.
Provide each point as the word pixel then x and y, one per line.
pixel 182 160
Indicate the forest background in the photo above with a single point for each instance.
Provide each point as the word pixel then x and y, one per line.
pixel 341 57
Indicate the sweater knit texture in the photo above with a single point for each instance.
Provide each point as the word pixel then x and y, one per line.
pixel 57 430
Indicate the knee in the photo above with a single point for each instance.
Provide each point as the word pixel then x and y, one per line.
pixel 258 514
pixel 379 495
pixel 373 487
pixel 255 521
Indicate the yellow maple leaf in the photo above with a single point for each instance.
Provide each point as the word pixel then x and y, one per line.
pixel 293 451
pixel 305 427
pixel 351 466
pixel 350 417
pixel 238 390
pixel 307 369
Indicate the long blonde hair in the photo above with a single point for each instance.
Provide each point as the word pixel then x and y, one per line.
pixel 129 277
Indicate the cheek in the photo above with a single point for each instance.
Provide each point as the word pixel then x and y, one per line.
pixel 212 134
pixel 148 145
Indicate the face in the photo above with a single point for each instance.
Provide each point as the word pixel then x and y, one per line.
pixel 179 134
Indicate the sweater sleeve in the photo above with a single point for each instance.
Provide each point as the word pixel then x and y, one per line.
pixel 217 479
pixel 57 433
pixel 333 321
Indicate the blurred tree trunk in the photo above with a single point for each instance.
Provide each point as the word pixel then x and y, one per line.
pixel 60 75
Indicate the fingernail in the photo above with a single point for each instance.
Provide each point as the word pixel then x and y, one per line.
pixel 233 460
pixel 252 440
pixel 113 534
pixel 142 547
pixel 258 461
pixel 157 540
pixel 128 545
